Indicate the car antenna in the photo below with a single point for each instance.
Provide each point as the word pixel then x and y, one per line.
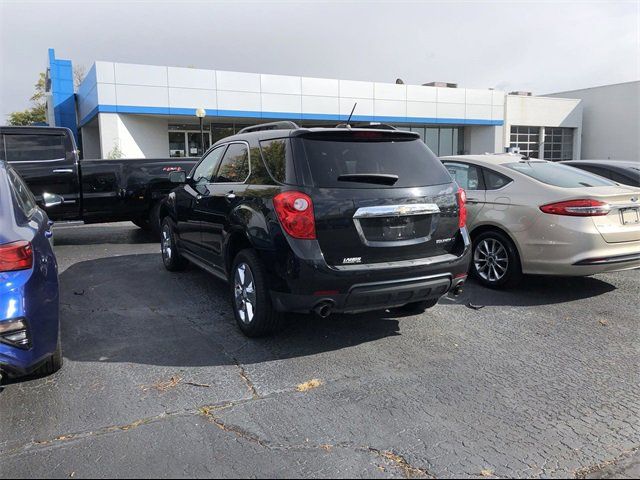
pixel 351 114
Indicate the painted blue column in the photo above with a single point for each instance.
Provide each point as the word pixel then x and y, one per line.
pixel 64 100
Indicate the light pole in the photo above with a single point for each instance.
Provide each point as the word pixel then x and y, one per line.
pixel 201 113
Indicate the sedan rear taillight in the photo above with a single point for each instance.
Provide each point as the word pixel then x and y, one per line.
pixel 295 212
pixel 16 256
pixel 462 207
pixel 578 208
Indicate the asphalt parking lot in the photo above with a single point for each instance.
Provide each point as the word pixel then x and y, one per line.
pixel 542 381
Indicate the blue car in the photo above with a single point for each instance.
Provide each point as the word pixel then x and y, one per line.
pixel 29 298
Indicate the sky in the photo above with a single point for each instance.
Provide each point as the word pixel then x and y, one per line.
pixel 543 46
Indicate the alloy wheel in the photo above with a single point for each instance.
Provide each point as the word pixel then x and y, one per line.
pixel 491 260
pixel 245 293
pixel 167 250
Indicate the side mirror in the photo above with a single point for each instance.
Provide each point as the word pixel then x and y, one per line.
pixel 178 177
pixel 51 200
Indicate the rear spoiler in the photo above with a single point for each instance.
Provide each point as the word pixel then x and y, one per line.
pixel 361 134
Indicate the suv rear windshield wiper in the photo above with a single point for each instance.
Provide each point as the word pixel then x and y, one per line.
pixel 378 178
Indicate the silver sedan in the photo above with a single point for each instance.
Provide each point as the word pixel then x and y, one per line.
pixel 529 216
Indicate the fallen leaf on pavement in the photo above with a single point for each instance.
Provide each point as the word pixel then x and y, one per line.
pixel 310 385
pixel 604 323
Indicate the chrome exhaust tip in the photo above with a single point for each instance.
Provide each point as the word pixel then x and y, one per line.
pixel 323 309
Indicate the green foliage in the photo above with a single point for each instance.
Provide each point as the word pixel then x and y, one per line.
pixel 38 110
pixel 115 153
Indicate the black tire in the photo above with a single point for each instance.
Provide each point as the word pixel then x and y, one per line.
pixel 252 307
pixel 171 257
pixel 419 307
pixel 495 261
pixel 154 221
pixel 142 223
pixel 53 363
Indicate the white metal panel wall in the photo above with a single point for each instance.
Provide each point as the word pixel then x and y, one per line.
pixel 611 121
pixel 126 88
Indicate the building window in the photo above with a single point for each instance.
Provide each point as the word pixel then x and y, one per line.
pixel 558 143
pixel 441 141
pixel 527 139
pixel 186 140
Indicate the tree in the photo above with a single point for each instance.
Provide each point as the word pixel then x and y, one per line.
pixel 79 72
pixel 38 110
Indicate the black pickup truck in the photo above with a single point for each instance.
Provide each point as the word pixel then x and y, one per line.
pixel 93 191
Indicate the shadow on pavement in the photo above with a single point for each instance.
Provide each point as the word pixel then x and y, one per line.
pixel 537 290
pixel 129 309
pixel 97 235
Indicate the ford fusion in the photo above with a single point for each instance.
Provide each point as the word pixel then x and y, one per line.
pixel 538 217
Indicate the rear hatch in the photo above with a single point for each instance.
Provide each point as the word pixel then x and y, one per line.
pixel 622 224
pixel 378 196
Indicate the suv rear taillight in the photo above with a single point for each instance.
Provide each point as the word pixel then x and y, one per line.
pixel 462 207
pixel 295 212
pixel 578 208
pixel 16 256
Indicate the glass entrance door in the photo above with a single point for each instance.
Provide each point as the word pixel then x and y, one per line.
pixel 194 142
pixel 188 143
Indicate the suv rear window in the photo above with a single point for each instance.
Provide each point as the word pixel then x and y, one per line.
pixel 410 159
pixel 559 175
pixel 29 148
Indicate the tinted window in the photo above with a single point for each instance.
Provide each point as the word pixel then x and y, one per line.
pixel 23 148
pixel 24 197
pixel 466 176
pixel 207 167
pixel 494 180
pixel 279 160
pixel 625 179
pixel 235 165
pixel 597 170
pixel 411 160
pixel 559 175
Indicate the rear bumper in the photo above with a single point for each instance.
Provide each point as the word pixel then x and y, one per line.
pixel 574 247
pixel 304 280
pixel 33 296
pixel 370 296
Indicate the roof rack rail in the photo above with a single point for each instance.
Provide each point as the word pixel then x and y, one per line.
pixel 284 125
pixel 373 125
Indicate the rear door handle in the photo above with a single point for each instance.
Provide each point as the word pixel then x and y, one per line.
pixel 63 170
pixel 473 200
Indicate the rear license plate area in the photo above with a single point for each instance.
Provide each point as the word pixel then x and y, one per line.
pixel 396 229
pixel 630 216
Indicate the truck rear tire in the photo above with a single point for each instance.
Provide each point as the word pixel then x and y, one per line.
pixel 142 223
pixel 154 221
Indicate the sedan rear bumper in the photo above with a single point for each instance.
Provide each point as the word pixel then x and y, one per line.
pixel 614 260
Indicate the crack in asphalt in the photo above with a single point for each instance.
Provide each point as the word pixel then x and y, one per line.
pixel 583 472
pixel 392 458
pixel 247 380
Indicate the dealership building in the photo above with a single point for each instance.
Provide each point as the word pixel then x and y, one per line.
pixel 124 110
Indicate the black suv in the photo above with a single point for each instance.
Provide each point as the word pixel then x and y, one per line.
pixel 319 220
